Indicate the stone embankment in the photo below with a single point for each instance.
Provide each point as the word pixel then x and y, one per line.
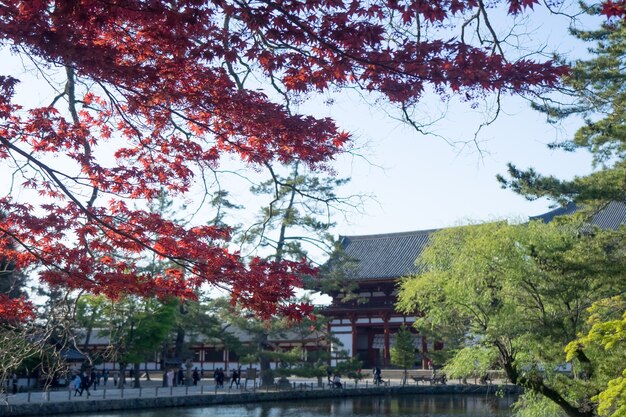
pixel 132 399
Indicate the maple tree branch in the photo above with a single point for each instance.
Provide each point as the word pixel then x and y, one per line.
pixel 282 93
pixel 496 41
pixel 70 90
pixel 86 210
pixel 41 257
pixel 226 46
pixel 57 98
pixel 339 51
pixel 419 127
pixel 475 16
pixel 119 110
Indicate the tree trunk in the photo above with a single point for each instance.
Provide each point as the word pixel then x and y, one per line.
pixel 280 244
pixel 537 385
pixel 147 372
pixel 188 378
pixel 180 341
pixel 122 379
pixel 136 369
pixel 267 375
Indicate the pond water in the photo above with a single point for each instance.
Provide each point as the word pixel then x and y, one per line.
pixel 397 406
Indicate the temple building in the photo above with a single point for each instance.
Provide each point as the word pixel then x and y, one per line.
pixel 365 321
pixel 366 324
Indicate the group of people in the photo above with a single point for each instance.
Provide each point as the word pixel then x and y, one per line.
pixel 174 378
pixel 83 381
pixel 218 377
pixel 334 379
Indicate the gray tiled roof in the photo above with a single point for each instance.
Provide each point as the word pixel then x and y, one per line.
pixel 393 255
pixel 385 256
pixel 611 216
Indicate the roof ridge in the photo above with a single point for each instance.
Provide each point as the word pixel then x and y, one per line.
pixel 395 234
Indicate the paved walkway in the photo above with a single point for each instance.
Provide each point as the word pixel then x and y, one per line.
pixel 152 389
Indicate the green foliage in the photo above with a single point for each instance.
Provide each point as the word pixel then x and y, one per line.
pixel 531 404
pixel 262 350
pixel 598 90
pixel 337 274
pixel 135 327
pixel 607 339
pixel 298 217
pixel 350 367
pixel 524 291
pixel 471 362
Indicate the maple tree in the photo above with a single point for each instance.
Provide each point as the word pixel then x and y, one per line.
pixel 156 91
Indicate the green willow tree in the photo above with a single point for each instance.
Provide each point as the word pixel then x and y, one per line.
pixel 597 89
pixel 521 294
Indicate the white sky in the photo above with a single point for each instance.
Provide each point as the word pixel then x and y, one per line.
pixel 426 183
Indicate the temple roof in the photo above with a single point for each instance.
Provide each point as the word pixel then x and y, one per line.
pixel 393 255
pixel 612 216
pixel 385 256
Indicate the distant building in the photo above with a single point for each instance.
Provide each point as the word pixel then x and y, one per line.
pixel 207 354
pixel 366 326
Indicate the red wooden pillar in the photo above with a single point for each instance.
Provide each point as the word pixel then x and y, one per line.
pixel 386 351
pixel 354 350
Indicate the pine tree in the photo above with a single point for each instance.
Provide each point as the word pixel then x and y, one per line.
pixel 403 351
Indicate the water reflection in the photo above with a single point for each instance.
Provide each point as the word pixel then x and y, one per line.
pixel 396 406
pixel 432 405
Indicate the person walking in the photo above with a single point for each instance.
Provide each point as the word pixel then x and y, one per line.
pixel 195 376
pixel 337 381
pixel 378 379
pixel 234 378
pixel 170 378
pixel 85 382
pixel 181 376
pixel 93 379
pixel 76 383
